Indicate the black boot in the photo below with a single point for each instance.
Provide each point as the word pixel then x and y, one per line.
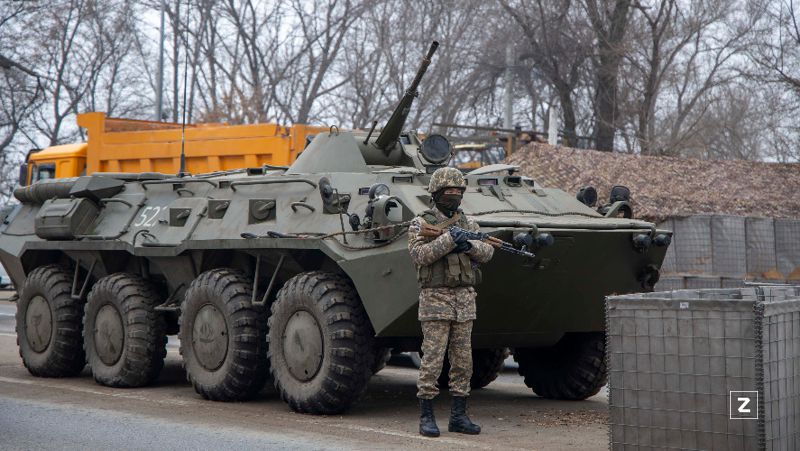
pixel 459 421
pixel 427 422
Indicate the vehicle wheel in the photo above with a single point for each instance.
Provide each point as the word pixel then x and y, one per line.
pixel 572 369
pixel 486 366
pixel 320 343
pixel 382 356
pixel 124 337
pixel 223 337
pixel 49 324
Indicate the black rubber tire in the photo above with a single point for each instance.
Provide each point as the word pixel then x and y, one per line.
pixel 144 345
pixel 572 369
pixel 243 370
pixel 486 366
pixel 63 355
pixel 347 337
pixel 381 357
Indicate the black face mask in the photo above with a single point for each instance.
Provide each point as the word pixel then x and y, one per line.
pixel 448 203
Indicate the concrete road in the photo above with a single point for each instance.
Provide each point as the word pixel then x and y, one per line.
pixel 76 413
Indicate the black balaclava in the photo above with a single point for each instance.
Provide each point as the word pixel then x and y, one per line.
pixel 447 203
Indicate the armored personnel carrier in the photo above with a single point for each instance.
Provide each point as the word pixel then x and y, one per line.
pixel 302 273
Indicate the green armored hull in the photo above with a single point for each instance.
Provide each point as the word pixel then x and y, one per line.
pixel 303 272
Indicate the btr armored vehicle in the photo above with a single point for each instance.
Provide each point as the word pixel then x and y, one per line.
pixel 301 273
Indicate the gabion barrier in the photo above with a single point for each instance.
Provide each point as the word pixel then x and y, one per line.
pixel 715 369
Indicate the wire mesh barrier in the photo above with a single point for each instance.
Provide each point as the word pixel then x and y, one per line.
pixel 711 369
pixel 718 251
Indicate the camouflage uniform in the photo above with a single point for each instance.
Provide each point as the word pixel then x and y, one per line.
pixel 446 307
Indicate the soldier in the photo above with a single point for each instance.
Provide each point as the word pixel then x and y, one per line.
pixel 446 272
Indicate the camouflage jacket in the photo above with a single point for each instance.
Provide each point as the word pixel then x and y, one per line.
pixel 453 304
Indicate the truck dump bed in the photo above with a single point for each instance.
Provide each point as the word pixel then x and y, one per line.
pixel 128 145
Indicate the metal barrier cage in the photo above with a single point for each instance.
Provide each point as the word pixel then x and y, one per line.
pixel 721 251
pixel 675 357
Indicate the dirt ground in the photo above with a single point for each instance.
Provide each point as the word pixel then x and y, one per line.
pixel 386 418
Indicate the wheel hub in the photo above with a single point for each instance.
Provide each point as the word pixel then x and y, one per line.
pixel 210 337
pixel 302 345
pixel 109 334
pixel 38 324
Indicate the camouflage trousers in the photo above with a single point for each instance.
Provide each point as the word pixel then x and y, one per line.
pixel 440 338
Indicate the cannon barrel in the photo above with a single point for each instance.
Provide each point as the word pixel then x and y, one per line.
pixel 391 132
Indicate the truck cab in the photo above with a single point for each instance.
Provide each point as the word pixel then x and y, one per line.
pixel 68 160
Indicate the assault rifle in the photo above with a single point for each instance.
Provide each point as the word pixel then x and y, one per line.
pixel 433 231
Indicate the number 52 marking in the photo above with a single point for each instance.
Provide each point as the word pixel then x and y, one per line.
pixel 147 217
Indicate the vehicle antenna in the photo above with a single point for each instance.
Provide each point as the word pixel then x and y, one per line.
pixel 182 171
pixel 372 129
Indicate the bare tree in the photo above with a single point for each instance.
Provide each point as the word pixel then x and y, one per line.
pixel 777 48
pixel 683 59
pixel 20 93
pixel 81 50
pixel 665 77
pixel 664 32
pixel 609 21
pixel 363 63
pixel 559 44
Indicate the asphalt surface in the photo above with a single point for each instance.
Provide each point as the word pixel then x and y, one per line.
pixel 77 413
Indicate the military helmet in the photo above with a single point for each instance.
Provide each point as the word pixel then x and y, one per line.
pixel 446 177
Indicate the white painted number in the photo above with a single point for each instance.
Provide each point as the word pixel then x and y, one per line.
pixel 147 217
pixel 745 402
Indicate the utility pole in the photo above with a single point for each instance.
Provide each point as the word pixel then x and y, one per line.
pixel 552 126
pixel 160 80
pixel 508 117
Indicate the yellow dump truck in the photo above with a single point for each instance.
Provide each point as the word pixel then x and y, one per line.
pixel 128 145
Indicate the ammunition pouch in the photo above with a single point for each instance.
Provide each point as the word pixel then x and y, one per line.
pixel 452 270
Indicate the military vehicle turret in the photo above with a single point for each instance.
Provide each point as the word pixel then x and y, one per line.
pixel 303 273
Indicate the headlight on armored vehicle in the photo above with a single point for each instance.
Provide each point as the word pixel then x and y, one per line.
pixel 642 241
pixel 523 240
pixel 436 149
pixel 527 240
pixel 377 190
pixel 545 239
pixel 662 239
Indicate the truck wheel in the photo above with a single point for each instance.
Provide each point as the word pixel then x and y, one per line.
pixel 572 369
pixel 223 337
pixel 49 324
pixel 320 343
pixel 486 366
pixel 124 337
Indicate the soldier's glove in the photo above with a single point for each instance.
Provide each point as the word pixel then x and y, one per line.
pixel 459 236
pixel 463 247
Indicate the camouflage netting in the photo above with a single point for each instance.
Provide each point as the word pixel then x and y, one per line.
pixel 663 187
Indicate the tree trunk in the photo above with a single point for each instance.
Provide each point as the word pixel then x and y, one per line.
pixel 610 50
pixel 568 113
